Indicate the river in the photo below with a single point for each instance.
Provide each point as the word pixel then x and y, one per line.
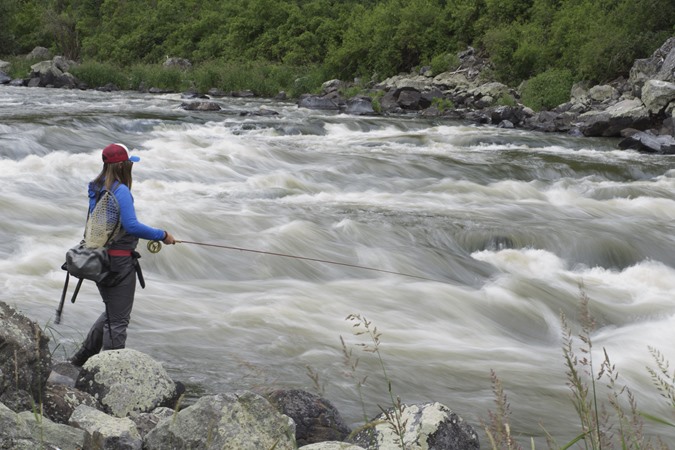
pixel 507 230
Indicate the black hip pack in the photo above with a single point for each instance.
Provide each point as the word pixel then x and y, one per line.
pixel 89 260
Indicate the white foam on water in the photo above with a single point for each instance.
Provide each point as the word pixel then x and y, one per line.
pixel 401 195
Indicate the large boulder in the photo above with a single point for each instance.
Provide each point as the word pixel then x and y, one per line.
pixel 609 122
pixel 316 419
pixel 644 141
pixel 359 106
pixel 430 425
pixel 126 381
pixel 660 66
pixel 657 95
pixel 240 420
pixel 39 53
pixel 25 360
pixel 603 93
pixel 28 431
pixel 311 101
pixel 452 80
pixel 200 106
pixel 104 431
pixel 416 82
pixel 53 73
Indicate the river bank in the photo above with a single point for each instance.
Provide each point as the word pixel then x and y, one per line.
pixel 639 109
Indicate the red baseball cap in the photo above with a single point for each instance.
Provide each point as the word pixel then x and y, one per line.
pixel 115 153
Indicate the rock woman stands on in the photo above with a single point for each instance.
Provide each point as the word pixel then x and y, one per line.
pixel 109 332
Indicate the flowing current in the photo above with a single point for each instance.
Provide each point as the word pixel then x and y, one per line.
pixel 512 225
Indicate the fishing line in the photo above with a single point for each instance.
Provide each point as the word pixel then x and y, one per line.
pixel 156 246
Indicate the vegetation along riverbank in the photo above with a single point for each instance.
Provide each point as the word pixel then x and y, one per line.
pixel 575 67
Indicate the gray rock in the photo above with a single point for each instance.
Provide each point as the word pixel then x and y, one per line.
pixel 30 431
pixel 39 53
pixel 242 94
pixel 25 360
pixel 451 80
pixel 416 82
pixel 63 64
pixel 238 421
pixel 408 98
pixel 657 95
pixel 659 66
pixel 603 93
pixel 332 445
pixel 667 53
pixel 647 142
pixel 318 102
pixel 610 122
pixel 215 92
pixel 146 422
pixel 430 425
pixel 331 86
pixel 60 401
pixel 200 106
pixel 104 431
pixel 126 381
pixel 359 106
pixel 316 419
pixel 177 63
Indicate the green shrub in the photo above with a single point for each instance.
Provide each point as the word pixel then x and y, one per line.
pixel 20 67
pixel 262 78
pixel 444 62
pixel 442 104
pixel 548 89
pixel 96 74
pixel 154 75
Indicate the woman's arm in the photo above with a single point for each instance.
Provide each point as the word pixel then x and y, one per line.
pixel 128 217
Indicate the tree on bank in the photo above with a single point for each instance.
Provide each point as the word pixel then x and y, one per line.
pixel 595 40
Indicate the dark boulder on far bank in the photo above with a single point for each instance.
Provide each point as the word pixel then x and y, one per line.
pixel 647 142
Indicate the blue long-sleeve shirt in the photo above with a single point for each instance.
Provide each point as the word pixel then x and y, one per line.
pixel 130 223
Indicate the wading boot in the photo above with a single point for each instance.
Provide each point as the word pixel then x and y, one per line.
pixel 81 357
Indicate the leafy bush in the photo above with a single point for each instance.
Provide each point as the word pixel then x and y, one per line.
pixel 548 89
pixel 372 39
pixel 153 75
pixel 444 63
pixel 96 74
pixel 20 67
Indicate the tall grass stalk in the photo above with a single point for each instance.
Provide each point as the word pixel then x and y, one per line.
pixel 498 430
pixel 607 408
pixel 579 370
pixel 393 416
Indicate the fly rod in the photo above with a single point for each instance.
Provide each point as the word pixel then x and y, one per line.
pixel 156 246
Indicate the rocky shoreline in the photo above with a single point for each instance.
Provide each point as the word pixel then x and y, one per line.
pixel 124 399
pixel 640 109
